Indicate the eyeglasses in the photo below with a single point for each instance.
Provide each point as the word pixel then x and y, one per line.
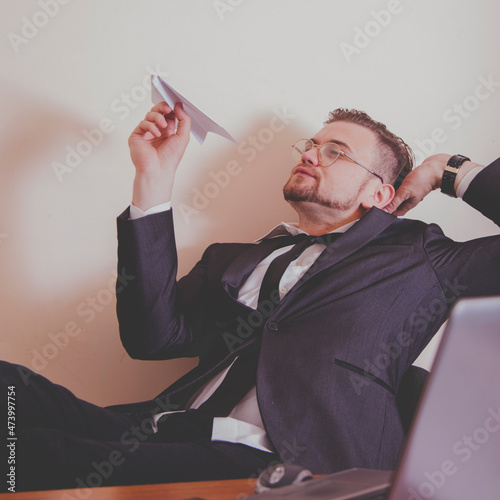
pixel 328 154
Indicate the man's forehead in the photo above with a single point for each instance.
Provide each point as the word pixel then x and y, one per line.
pixel 350 136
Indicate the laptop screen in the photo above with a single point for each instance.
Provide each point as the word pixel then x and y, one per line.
pixel 453 451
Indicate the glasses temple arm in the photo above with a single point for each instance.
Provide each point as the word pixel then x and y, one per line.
pixel 366 168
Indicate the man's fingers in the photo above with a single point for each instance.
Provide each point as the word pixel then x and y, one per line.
pixel 164 117
pixel 157 118
pixel 405 207
pixel 163 108
pixel 391 207
pixel 170 127
pixel 397 201
pixel 146 126
pixel 184 126
pixel 167 130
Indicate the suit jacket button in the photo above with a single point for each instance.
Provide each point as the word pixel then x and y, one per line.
pixel 271 325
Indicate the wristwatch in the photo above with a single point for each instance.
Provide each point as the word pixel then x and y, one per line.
pixel 450 174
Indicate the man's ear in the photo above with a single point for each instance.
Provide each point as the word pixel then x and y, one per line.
pixel 379 198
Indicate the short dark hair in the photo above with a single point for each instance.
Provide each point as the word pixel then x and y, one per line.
pixel 396 158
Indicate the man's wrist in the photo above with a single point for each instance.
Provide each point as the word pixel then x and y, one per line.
pixel 152 190
pixel 466 167
pixel 466 178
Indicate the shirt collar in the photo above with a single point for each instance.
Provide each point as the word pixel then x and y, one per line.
pixel 287 228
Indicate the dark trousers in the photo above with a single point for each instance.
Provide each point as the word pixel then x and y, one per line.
pixel 65 442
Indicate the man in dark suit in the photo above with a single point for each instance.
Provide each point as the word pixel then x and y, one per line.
pixel 303 339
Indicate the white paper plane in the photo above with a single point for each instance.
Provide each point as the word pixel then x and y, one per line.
pixel 201 124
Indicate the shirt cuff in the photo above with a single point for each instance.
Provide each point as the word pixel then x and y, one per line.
pixel 137 213
pixel 466 181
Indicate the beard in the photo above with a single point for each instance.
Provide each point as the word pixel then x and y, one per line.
pixel 295 190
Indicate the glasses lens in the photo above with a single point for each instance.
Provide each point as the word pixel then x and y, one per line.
pixel 299 148
pixel 329 154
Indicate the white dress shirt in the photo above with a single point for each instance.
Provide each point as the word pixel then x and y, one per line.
pixel 244 424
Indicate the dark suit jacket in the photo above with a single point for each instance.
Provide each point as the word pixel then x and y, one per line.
pixel 334 351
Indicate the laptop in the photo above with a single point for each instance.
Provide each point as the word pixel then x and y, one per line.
pixel 453 448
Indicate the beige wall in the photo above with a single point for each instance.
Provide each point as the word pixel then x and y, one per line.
pixel 82 65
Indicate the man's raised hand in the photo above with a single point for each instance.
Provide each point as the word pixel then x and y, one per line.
pixel 424 179
pixel 418 184
pixel 156 148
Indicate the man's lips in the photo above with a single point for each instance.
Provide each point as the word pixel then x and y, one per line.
pixel 304 171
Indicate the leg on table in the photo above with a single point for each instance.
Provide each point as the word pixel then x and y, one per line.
pixel 39 403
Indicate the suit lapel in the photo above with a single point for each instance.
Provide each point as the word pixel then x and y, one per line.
pixel 366 229
pixel 373 223
pixel 242 267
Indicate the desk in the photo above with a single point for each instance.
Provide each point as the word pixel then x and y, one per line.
pixel 211 490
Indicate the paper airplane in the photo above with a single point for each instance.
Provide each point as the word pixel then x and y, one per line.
pixel 201 124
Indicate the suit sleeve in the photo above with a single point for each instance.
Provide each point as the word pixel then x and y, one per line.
pixel 154 322
pixel 471 268
pixel 484 192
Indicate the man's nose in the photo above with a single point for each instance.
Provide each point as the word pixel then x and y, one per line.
pixel 311 156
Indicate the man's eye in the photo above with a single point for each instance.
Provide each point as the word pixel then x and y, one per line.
pixel 330 150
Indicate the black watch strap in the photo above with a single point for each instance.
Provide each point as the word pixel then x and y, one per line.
pixel 450 174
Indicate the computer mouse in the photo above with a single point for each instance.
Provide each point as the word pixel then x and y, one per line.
pixel 279 475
